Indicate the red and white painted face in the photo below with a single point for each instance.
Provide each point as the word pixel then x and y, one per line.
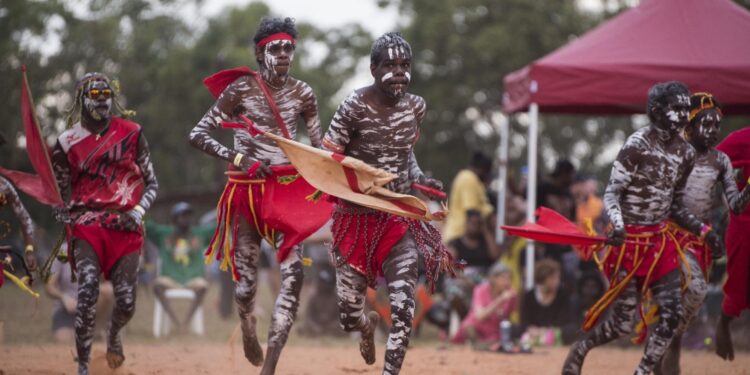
pixel 97 100
pixel 705 131
pixel 278 56
pixel 393 72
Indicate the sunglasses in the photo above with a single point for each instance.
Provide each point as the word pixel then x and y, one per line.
pixel 94 93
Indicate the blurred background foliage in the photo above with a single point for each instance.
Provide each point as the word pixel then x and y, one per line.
pixel 462 50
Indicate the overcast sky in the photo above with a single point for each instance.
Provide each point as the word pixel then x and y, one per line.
pixel 323 13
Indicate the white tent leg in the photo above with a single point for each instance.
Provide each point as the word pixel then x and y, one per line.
pixel 502 177
pixel 531 189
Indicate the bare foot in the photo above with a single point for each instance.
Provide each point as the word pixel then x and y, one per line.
pixel 115 360
pixel 115 356
pixel 367 342
pixel 253 351
pixel 724 348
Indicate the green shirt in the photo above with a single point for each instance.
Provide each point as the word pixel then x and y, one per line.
pixel 181 258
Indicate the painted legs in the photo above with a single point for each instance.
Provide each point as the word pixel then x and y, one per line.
pixel 618 324
pixel 665 292
pixel 88 268
pixel 692 300
pixel 285 309
pixel 400 270
pixel 124 281
pixel 124 278
pixel 287 302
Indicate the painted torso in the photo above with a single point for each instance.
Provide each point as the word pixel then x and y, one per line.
pixel 381 137
pixel 711 167
pixel 647 172
pixel 244 96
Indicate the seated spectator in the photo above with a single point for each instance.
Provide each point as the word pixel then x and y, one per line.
pixel 546 308
pixel 181 248
pixel 65 292
pixel 477 245
pixel 492 302
pixel 468 192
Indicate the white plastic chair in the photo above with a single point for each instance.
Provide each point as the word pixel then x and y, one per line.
pixel 162 323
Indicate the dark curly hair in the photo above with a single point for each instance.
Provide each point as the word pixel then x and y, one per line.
pixel 272 25
pixel 387 40
pixel 658 94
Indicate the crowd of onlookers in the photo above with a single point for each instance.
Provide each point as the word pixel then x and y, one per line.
pixel 491 290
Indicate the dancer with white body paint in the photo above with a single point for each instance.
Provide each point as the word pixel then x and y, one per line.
pixel 379 124
pixel 645 189
pixel 712 167
pixel 103 166
pixel 252 159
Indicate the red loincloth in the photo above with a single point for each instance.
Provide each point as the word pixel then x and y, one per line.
pixel 650 253
pixel 109 244
pixel 378 230
pixel 283 203
pixel 360 232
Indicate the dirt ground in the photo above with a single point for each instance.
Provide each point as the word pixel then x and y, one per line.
pixel 339 357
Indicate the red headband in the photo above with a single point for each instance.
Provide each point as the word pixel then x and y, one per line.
pixel 273 37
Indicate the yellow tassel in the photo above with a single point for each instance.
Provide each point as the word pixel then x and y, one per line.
pixel 21 283
pixel 286 180
pixel 314 197
pixel 307 262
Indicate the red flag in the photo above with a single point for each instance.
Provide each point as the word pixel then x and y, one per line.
pixel 551 227
pixel 42 186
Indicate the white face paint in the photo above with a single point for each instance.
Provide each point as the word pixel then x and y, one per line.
pixel 99 107
pixel 673 116
pixel 386 77
pixel 271 53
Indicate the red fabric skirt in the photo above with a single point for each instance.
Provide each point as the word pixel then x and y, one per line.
pixel 281 204
pixel 109 244
pixel 358 230
pixel 651 252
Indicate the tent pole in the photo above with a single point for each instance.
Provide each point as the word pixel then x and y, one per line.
pixel 502 178
pixel 531 189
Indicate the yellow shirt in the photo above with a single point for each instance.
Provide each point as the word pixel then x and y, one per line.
pixel 467 193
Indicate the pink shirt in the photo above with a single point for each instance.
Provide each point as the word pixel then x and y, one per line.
pixel 489 328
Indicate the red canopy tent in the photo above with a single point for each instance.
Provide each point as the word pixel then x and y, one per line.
pixel 608 70
pixel 704 43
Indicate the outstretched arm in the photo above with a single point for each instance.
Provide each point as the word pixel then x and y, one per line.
pixel 737 200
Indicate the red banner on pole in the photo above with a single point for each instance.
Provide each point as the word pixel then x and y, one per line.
pixel 42 186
